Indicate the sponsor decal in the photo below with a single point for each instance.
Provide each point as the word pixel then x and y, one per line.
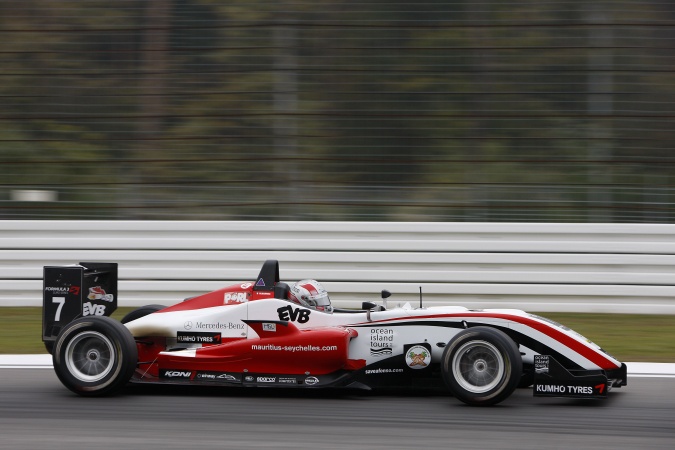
pixel 552 380
pixel 75 290
pixel 418 356
pixel 226 377
pixel 378 352
pixel 266 379
pixel 187 325
pixel 311 381
pixel 381 340
pixel 219 326
pixel 288 313
pixel 98 293
pixel 249 378
pixel 541 364
pixel 288 380
pixel 269 327
pixel 260 282
pixel 216 377
pixel 198 338
pixel 294 348
pixel 380 371
pixel 262 294
pixel 235 297
pixel 175 374
pixel 89 309
pixel 561 389
pixel 246 285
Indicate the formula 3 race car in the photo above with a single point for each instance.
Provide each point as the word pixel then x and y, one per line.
pixel 251 335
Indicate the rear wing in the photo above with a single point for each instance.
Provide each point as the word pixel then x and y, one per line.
pixel 70 292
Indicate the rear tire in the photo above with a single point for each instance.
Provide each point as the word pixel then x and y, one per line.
pixel 141 312
pixel 481 366
pixel 94 356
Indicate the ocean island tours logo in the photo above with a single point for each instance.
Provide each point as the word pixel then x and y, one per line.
pixel 381 341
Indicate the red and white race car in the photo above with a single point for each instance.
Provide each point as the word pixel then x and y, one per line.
pixel 254 334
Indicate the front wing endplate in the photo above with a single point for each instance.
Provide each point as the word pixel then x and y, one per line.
pixel 551 379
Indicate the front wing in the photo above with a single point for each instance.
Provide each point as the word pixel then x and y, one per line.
pixel 551 379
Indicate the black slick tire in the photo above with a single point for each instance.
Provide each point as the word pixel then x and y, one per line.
pixel 481 366
pixel 94 356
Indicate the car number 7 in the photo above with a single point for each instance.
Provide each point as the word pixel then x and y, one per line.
pixel 61 301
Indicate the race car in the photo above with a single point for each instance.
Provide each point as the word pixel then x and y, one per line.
pixel 266 333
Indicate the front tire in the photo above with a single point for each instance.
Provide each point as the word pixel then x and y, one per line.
pixel 481 366
pixel 94 356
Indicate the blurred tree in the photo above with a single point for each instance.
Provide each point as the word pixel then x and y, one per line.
pixel 339 109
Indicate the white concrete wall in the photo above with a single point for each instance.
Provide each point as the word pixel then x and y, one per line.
pixel 537 267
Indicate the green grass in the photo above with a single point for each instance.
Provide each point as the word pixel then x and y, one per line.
pixel 21 329
pixel 628 337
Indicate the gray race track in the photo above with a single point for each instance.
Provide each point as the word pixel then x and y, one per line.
pixel 37 412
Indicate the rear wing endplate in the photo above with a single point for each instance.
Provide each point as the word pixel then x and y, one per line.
pixel 70 292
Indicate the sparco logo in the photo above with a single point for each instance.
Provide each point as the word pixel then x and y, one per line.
pixel 266 380
pixel 176 373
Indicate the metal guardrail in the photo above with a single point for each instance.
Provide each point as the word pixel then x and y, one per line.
pixel 536 267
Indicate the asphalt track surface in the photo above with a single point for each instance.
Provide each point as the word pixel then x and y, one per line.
pixel 37 412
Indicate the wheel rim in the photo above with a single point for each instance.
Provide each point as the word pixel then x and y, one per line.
pixel 478 366
pixel 90 356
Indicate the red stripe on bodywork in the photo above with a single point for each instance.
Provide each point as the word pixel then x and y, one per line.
pixel 588 353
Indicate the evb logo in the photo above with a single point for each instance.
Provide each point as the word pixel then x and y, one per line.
pixel 293 314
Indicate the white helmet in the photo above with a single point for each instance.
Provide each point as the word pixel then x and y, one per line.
pixel 311 294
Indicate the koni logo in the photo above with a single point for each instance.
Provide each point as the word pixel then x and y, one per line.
pixel 168 373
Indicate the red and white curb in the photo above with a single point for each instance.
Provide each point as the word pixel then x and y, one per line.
pixel 635 369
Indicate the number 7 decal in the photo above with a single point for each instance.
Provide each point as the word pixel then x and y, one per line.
pixel 61 301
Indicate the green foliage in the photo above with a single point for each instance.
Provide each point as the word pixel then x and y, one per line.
pixel 629 337
pixel 336 109
pixel 21 330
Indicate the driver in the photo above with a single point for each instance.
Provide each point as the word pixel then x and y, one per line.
pixel 311 294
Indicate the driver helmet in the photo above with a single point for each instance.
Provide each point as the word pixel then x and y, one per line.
pixel 311 294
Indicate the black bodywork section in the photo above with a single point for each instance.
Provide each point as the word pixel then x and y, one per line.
pixel 67 295
pixel 551 379
pixel 268 276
